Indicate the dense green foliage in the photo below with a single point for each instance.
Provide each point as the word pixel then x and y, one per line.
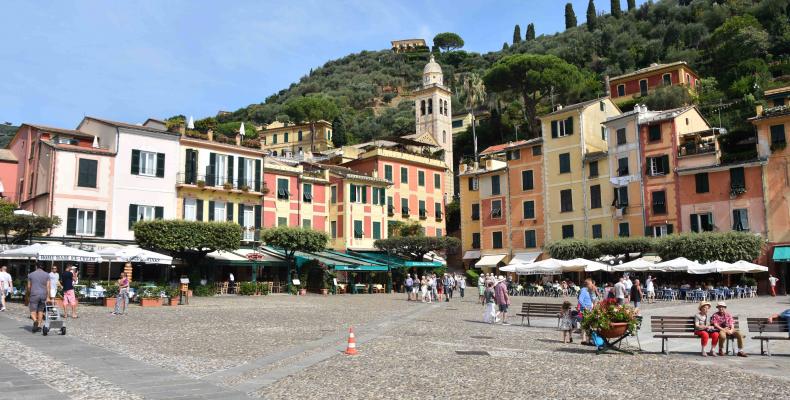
pixel 188 240
pixel 7 133
pixel 291 239
pixel 17 229
pixel 415 247
pixel 448 41
pixel 517 34
pixel 530 32
pixel 570 16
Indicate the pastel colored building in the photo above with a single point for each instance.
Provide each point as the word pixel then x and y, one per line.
pixel 576 171
pixel 642 82
pixel 289 140
pixel 9 167
pixel 144 184
pixel 66 173
pixel 296 195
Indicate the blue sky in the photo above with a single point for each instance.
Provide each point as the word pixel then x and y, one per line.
pixel 130 60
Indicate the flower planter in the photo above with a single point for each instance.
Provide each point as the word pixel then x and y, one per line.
pixel 173 301
pixel 151 302
pixel 616 330
pixel 109 302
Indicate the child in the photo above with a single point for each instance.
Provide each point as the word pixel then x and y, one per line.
pixel 566 322
pixel 489 315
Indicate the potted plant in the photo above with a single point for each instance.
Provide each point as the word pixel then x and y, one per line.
pixel 609 319
pixel 110 295
pixel 227 186
pixel 151 297
pixel 201 183
pixel 245 188
pixel 173 295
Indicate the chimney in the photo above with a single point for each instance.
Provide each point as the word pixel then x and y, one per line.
pixel 210 135
pixel 759 110
pixel 238 140
pixel 182 129
pixel 606 86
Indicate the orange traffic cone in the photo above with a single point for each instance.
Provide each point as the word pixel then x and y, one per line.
pixel 351 349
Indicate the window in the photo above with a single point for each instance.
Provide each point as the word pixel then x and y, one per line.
pixel 219 212
pixel 376 230
pixel 529 209
pixel 475 240
pixel 333 229
pixel 701 222
pixel 421 209
pixel 248 221
pixel 530 239
pixel 740 219
pixel 250 178
pixel 390 206
pixel 404 175
pixel 306 223
pixel 378 195
pixel 595 196
pixel 430 106
pixel 420 178
pixel 437 181
pixel 667 79
pixel 496 209
pixel 147 213
pixel 566 200
pixel 778 134
pixel 779 102
pixel 621 137
pixel 622 166
pixel 661 230
pixel 333 194
pixel 282 221
pixel 422 107
pixel 473 183
pixel 737 179
pixel 496 240
pixel 307 193
pixel 388 172
pixel 86 222
pixel 624 230
pixel 602 105
pixel 643 87
pixel 299 136
pixel 458 123
pixel 701 180
pixel 444 136
pixel 221 169
pixel 658 166
pixel 620 197
pixel 495 184
pixel 513 155
pixel 565 163
pixel 274 140
pixel 475 212
pixel 190 209
pixel 438 232
pixel 654 133
pixel 659 202
pixel 603 133
pixel 285 137
pixel 567 231
pixel 404 208
pixel 282 189
pixel 620 90
pixel 597 231
pixel 537 150
pixel 357 193
pixel 562 128
pixel 147 163
pixel 358 232
pixel 86 176
pixel 527 182
pixel 437 211
pixel 593 169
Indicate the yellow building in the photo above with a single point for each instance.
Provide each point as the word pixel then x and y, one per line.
pixel 293 140
pixel 574 147
pixel 461 122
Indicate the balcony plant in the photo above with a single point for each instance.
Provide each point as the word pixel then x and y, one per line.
pixel 227 186
pixel 264 189
pixel 245 188
pixel 737 190
pixel 610 320
pixel 201 183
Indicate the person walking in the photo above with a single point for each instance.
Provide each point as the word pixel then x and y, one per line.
pixel 481 287
pixel 448 287
pixel 722 320
pixel 489 309
pixel 69 298
pixel 8 285
pixel 619 291
pixel 651 290
pixel 54 281
pixel 461 284
pixel 408 285
pixel 502 299
pixel 704 329
pixel 122 300
pixel 426 296
pixel 434 282
pixel 772 281
pixel 566 322
pixel 38 295
pixel 636 293
pixel 586 301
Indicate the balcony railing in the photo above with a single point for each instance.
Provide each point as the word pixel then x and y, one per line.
pixel 690 149
pixel 219 183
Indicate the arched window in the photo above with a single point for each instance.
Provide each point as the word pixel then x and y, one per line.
pixel 446 108
pixel 444 136
pixel 430 106
pixel 422 107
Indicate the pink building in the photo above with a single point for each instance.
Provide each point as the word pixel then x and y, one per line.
pixel 8 170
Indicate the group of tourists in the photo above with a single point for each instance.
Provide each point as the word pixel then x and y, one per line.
pixel 42 288
pixel 430 288
pixel 495 297
pixel 716 328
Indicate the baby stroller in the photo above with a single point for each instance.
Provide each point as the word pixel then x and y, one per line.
pixel 53 319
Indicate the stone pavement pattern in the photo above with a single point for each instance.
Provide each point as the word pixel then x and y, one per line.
pixel 290 347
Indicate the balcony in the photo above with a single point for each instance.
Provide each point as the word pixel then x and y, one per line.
pixel 211 182
pixel 692 148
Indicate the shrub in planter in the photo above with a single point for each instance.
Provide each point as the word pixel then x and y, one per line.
pixel 173 294
pixel 151 297
pixel 263 288
pixel 110 295
pixel 203 291
pixel 248 288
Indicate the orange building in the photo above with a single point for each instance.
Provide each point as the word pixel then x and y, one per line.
pixel 643 81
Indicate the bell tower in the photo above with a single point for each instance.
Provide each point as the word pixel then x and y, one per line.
pixel 434 116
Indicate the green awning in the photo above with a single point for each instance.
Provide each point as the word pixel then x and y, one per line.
pixel 782 254
pixel 394 261
pixel 334 260
pixel 360 268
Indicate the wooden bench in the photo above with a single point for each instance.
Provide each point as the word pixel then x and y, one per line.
pixel 762 328
pixel 668 327
pixel 539 310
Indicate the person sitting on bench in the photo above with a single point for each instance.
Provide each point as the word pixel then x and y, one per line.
pixel 722 320
pixel 784 314
pixel 704 329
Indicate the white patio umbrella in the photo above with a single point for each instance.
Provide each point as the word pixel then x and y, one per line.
pixel 711 267
pixel 53 252
pixel 745 267
pixel 509 268
pixel 680 264
pixel 638 265
pixel 587 265
pixel 132 254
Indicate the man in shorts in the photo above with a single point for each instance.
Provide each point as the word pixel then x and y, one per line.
pixel 38 292
pixel 69 298
pixel 502 299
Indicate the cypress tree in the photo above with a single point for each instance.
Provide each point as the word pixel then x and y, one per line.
pixel 631 4
pixel 616 11
pixel 517 34
pixel 570 16
pixel 505 46
pixel 592 16
pixel 530 32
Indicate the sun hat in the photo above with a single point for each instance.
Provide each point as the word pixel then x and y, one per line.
pixel 721 304
pixel 703 304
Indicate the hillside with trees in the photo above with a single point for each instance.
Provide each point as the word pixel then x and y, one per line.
pixel 739 47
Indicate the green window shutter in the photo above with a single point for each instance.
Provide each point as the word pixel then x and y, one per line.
pixel 160 165
pixel 352 192
pixel 694 223
pixel 71 222
pixel 101 217
pixel 135 162
pixel 240 213
pixel 211 169
pixel 388 172
pixel 554 129
pixel 669 229
pixel 376 230
pixel 230 170
pixel 437 181
pixel 241 176
pixel 229 211
pixel 569 126
pixel 382 194
pixel 199 210
pixel 132 215
pixel 210 210
pixel 258 210
pixel 159 212
pixel 365 194
pixel 404 175
pixel 665 164
pixel 189 167
pixel 421 178
pixel 86 176
pixel 737 177
pixel 257 176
